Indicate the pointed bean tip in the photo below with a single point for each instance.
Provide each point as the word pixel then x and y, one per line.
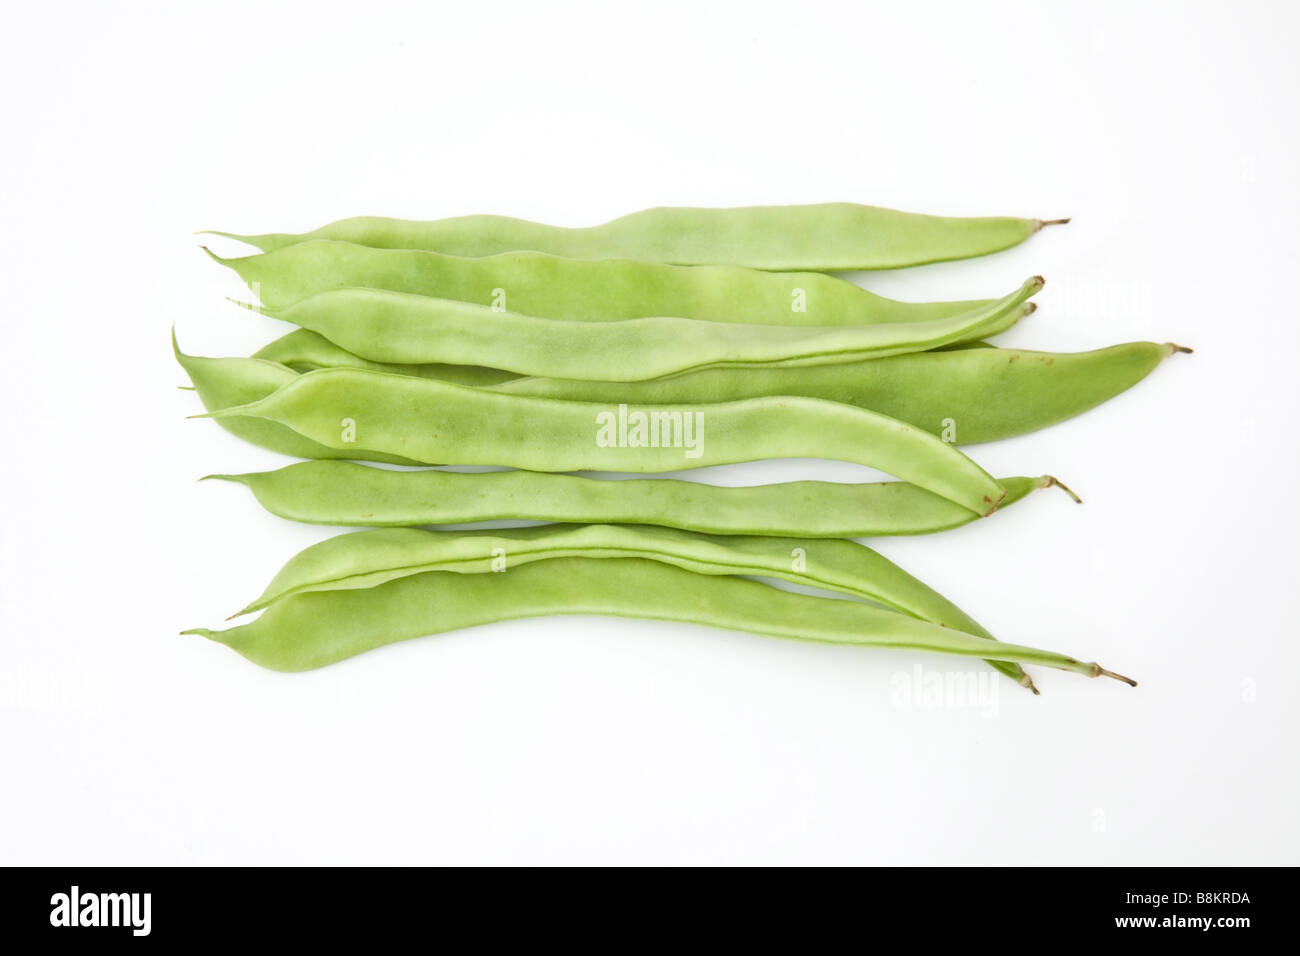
pixel 1175 348
pixel 1052 222
pixel 232 411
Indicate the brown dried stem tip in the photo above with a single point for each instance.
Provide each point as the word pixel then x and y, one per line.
pixel 1099 671
pixel 1051 481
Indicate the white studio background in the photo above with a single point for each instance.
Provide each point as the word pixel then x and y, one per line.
pixel 1168 131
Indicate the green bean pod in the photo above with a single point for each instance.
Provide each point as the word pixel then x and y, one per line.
pixel 967 395
pixel 233 382
pixel 365 559
pixel 816 238
pixel 399 327
pixel 344 493
pixel 304 351
pixel 439 423
pixel 581 290
pixel 311 630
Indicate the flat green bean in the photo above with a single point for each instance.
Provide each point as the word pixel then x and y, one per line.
pixel 304 351
pixel 398 327
pixel 963 394
pixel 233 382
pixel 581 290
pixel 365 559
pixel 817 238
pixel 968 395
pixel 317 628
pixel 343 493
pixel 439 423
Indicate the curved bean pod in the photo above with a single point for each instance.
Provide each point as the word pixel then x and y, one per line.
pixel 582 290
pixel 233 382
pixel 817 238
pixel 980 395
pixel 322 627
pixel 304 351
pixel 365 559
pixel 439 423
pixel 343 493
pixel 400 327
pixel 973 395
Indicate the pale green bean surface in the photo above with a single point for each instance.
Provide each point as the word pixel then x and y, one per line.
pixel 344 493
pixel 818 238
pixel 439 423
pixel 304 351
pixel 400 327
pixel 667 340
pixel 581 290
pixel 231 382
pixel 968 395
pixel 365 559
pixel 317 628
